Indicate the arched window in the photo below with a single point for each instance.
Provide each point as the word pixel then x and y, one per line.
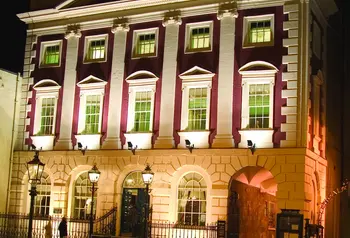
pixel 192 200
pixel 82 197
pixel 134 180
pixel 42 200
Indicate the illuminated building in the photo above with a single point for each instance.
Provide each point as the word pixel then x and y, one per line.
pixel 156 73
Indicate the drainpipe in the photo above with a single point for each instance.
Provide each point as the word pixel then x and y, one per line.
pixel 12 143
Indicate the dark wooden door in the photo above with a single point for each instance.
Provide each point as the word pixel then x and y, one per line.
pixel 249 212
pixel 132 217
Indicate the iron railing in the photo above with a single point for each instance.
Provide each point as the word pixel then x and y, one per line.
pixel 173 230
pixel 16 226
pixel 106 224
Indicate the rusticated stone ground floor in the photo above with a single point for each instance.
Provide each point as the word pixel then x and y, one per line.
pixel 291 178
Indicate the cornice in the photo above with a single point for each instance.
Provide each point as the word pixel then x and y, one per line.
pixel 55 21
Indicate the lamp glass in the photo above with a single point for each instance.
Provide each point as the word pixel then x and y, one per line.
pixel 147 175
pixel 35 170
pixel 94 174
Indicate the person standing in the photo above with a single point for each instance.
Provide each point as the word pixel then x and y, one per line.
pixel 62 228
pixel 48 229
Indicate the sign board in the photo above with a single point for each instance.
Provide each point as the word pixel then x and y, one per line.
pixel 221 229
pixel 289 224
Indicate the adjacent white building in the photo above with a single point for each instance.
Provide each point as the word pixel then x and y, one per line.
pixel 10 91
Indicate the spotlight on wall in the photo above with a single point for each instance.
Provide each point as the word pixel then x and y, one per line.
pixel 131 147
pixel 251 146
pixel 189 146
pixel 81 148
pixel 33 147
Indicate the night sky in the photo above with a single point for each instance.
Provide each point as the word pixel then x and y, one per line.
pixel 13 33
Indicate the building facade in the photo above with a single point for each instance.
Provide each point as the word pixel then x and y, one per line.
pixel 10 91
pixel 241 82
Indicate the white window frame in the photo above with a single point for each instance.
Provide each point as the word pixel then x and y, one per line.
pixel 189 28
pixel 40 196
pixel 136 35
pixel 174 183
pixel 246 82
pixel 201 188
pixel 262 137
pixel 196 80
pixel 246 30
pixel 41 93
pixel 88 187
pixel 90 86
pixel 88 40
pixel 43 47
pixel 26 200
pixel 140 81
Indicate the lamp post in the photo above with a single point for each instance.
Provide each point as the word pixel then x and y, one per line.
pixel 147 177
pixel 94 175
pixel 35 170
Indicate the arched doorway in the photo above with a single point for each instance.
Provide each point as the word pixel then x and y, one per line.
pixel 133 201
pixel 252 204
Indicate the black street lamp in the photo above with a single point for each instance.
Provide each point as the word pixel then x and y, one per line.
pixel 35 170
pixel 147 177
pixel 94 175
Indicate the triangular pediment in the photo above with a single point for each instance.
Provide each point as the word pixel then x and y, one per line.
pixel 142 77
pixel 46 85
pixel 81 3
pixel 256 67
pixel 91 82
pixel 196 72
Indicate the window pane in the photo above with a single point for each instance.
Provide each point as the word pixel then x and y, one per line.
pixel 92 114
pixel 192 200
pixel 200 38
pixel 146 44
pixel 96 50
pixel 260 31
pixel 143 101
pixel 259 105
pixel 51 55
pixel 47 116
pixel 82 197
pixel 42 200
pixel 197 109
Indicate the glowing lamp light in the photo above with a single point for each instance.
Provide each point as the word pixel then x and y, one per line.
pixel 94 174
pixel 147 175
pixel 35 170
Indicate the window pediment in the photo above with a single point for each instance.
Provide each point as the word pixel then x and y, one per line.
pixel 91 82
pixel 141 78
pixel 196 73
pixel 257 68
pixel 47 85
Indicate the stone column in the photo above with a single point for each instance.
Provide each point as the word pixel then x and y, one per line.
pixel 166 128
pixel 65 140
pixel 227 14
pixel 120 29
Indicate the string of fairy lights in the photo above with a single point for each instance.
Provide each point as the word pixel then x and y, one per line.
pixel 344 187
